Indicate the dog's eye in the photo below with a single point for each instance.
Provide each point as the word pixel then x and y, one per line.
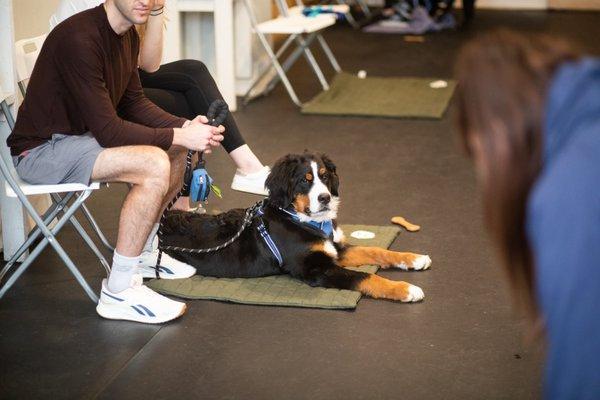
pixel 325 176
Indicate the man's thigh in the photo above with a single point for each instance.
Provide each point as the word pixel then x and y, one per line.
pixel 63 159
pixel 131 164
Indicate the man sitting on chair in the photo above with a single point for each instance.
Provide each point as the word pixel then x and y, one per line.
pixel 85 118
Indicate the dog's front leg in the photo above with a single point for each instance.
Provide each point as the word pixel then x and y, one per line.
pixel 320 269
pixel 354 256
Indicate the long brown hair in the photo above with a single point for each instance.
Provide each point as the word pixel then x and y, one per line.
pixel 503 78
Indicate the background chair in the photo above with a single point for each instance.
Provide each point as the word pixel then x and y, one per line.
pixel 300 30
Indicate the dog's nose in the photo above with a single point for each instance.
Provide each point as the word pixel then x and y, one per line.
pixel 324 198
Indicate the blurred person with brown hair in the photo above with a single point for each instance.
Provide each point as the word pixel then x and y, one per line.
pixel 529 117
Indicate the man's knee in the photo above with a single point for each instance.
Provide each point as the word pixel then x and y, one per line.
pixel 157 173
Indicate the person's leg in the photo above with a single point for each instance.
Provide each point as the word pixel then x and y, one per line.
pixel 172 101
pixel 176 103
pixel 147 170
pixel 152 174
pixel 192 79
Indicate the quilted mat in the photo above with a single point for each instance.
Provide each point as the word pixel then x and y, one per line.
pixel 278 290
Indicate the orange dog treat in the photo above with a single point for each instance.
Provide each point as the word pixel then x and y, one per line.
pixel 405 224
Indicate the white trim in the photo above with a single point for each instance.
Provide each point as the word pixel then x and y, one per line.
pixel 513 4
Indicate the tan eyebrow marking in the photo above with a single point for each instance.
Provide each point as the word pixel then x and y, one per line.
pixel 309 177
pixel 322 171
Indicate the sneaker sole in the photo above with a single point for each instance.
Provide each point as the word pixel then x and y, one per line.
pixel 247 190
pixel 105 312
pixel 151 275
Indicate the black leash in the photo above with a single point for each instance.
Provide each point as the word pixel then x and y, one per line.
pixel 217 112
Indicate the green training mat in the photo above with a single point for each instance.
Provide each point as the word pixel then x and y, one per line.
pixel 350 95
pixel 278 290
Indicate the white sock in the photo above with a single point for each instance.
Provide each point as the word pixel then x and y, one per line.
pixel 149 242
pixel 123 268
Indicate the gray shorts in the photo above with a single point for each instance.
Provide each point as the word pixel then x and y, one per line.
pixel 62 159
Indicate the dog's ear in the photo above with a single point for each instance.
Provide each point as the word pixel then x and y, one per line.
pixel 334 181
pixel 280 182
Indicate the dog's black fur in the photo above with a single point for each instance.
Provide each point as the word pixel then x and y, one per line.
pixel 301 247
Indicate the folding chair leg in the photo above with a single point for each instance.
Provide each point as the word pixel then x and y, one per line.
pixel 287 64
pixel 51 239
pixel 311 60
pixel 96 227
pixel 73 220
pixel 284 47
pixel 48 216
pixel 282 75
pixel 274 60
pixel 329 53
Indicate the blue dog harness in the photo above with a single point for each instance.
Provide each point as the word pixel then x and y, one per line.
pixel 262 229
pixel 324 228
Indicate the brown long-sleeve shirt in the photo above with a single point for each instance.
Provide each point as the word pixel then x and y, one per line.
pixel 86 79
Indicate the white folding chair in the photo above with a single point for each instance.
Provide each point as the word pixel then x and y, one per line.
pixel 17 188
pixel 26 53
pixel 301 30
pixel 61 195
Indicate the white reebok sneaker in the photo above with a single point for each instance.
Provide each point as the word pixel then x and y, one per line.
pixel 138 303
pixel 169 268
pixel 251 183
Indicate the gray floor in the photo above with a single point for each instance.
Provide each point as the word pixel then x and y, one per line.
pixel 464 341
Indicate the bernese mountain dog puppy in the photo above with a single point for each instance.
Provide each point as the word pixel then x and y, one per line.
pixel 299 217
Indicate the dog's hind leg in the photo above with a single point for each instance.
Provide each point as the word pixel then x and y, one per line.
pixel 354 256
pixel 321 270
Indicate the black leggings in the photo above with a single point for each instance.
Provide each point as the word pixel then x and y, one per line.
pixel 185 88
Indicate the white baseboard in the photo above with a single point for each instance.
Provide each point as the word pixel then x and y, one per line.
pixel 513 4
pixel 494 4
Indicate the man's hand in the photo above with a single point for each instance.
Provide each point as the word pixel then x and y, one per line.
pixel 198 135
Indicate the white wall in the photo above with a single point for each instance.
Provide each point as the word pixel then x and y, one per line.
pixel 31 17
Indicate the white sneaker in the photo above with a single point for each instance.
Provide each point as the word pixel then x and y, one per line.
pixel 169 268
pixel 138 303
pixel 251 183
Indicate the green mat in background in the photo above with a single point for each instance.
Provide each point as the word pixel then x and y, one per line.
pixel 382 97
pixel 278 290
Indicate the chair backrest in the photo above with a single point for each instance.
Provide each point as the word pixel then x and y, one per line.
pixel 26 54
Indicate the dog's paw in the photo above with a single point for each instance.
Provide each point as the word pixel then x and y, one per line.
pixel 421 263
pixel 418 263
pixel 414 294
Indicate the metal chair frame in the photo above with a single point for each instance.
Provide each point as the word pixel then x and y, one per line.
pixel 303 41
